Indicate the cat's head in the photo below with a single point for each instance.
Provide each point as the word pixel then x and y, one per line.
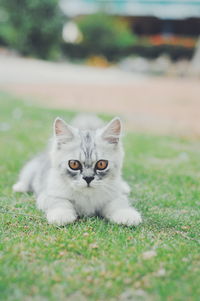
pixel 87 158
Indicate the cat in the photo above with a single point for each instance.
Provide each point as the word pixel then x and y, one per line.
pixel 80 174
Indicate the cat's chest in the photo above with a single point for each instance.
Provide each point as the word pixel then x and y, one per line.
pixel 88 204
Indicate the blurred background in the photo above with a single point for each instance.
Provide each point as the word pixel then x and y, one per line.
pixel 139 59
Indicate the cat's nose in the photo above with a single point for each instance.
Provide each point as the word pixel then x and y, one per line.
pixel 88 179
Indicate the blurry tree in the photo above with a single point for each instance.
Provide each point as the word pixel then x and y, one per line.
pixel 102 35
pixel 33 27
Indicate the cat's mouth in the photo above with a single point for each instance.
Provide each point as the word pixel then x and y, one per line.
pixel 88 186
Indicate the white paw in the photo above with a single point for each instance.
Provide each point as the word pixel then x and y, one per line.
pixel 42 202
pixel 128 217
pixel 20 187
pixel 61 216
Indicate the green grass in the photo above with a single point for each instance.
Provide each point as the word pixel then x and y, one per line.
pixel 93 259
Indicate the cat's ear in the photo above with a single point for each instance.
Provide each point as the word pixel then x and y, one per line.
pixel 112 131
pixel 62 129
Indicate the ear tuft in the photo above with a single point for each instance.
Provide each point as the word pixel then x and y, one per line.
pixel 111 133
pixel 62 129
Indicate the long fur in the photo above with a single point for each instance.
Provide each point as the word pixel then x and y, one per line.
pixel 62 193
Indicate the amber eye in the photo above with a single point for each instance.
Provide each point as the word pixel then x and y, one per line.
pixel 75 164
pixel 101 164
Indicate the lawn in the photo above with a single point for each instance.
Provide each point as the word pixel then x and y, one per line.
pixel 93 259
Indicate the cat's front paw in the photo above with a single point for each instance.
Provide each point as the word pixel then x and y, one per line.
pixel 127 217
pixel 61 216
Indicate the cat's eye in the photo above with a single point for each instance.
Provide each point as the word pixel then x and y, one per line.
pixel 75 164
pixel 101 164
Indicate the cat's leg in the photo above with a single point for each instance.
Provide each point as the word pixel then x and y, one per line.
pixel 23 183
pixel 120 212
pixel 58 211
pixel 21 186
pixel 26 176
pixel 125 187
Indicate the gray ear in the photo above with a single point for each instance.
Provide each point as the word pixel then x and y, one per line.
pixel 62 129
pixel 111 132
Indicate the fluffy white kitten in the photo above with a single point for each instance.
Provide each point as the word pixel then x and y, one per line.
pixel 80 174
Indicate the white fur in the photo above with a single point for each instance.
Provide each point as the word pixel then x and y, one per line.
pixel 87 121
pixel 20 187
pixel 125 216
pixel 61 216
pixel 62 196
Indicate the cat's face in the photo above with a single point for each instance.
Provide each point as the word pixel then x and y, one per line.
pixel 88 159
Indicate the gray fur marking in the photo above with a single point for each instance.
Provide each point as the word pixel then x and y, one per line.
pixel 71 173
pixel 87 146
pixel 102 174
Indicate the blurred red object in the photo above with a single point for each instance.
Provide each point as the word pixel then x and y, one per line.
pixel 158 40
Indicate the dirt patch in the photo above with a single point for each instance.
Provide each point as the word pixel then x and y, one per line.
pixel 160 105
